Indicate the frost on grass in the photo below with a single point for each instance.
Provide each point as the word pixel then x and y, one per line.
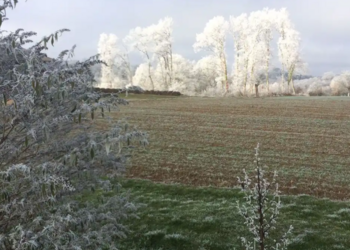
pixel 175 236
pixel 343 211
pixel 155 232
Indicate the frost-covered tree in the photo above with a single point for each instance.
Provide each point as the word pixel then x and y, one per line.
pixel 49 154
pixel 162 37
pixel 118 72
pixel 253 36
pixel 213 39
pixel 123 66
pixel 107 48
pixel 341 84
pixel 182 75
pixel 155 45
pixel 288 48
pixel 205 73
pixel 141 39
pixel 262 24
pixel 328 76
pixel 261 209
pixel 252 43
pixel 141 77
pixel 243 48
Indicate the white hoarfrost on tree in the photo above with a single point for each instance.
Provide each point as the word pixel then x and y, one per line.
pixel 213 39
pixel 340 85
pixel 141 39
pixel 253 35
pixel 155 45
pixel 162 37
pixel 141 77
pixel 107 48
pixel 328 77
pixel 264 29
pixel 205 72
pixel 182 75
pixel 288 48
pixel 118 72
pixel 50 156
pixel 123 67
pixel 208 67
pixel 243 48
pixel 261 34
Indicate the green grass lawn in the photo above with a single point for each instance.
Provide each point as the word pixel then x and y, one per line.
pixel 181 217
pixel 191 218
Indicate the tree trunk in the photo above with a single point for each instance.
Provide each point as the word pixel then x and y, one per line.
pixel 224 66
pixel 293 88
pixel 290 78
pixel 282 79
pixel 282 59
pixel 246 76
pixel 149 71
pixel 252 79
pixel 171 64
pixel 245 84
pixel 256 90
pixel 267 71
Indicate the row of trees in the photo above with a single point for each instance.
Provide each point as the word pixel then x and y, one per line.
pixel 253 37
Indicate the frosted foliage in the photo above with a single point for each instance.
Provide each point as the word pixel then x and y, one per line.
pixel 162 35
pixel 141 39
pixel 328 76
pixel 289 46
pixel 340 85
pixel 165 58
pixel 141 77
pixel 261 38
pixel 315 86
pixel 49 153
pixel 107 48
pixel 261 208
pixel 182 75
pixel 205 71
pixel 253 53
pixel 213 37
pixel 243 47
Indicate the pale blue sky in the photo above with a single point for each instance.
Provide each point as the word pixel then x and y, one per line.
pixel 324 25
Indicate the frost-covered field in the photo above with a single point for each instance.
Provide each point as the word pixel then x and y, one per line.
pixel 208 141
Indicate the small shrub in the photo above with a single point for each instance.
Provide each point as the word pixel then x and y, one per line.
pixel 261 211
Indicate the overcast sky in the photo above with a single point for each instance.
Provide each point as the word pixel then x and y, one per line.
pixel 324 24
